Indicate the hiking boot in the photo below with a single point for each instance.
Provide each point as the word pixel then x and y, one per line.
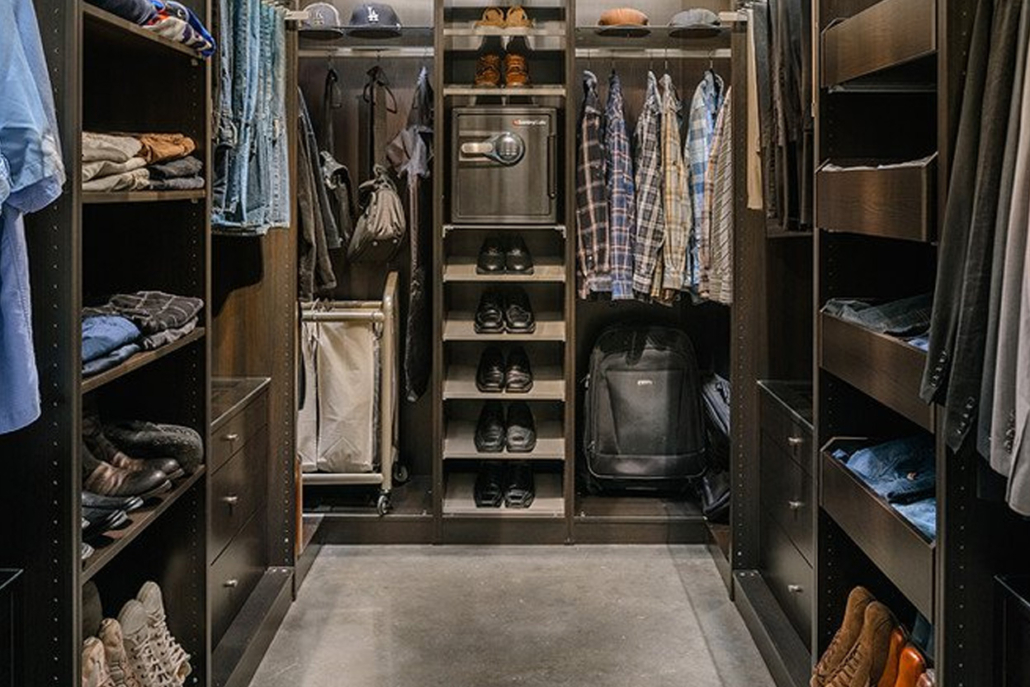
pixel 139 647
pixel 171 654
pixel 117 658
pixel 865 663
pixel 846 636
pixel 94 666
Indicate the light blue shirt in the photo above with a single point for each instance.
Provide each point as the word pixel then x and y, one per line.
pixel 31 176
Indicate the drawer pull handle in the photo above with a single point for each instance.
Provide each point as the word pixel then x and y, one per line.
pixel 796 505
pixel 231 437
pixel 794 588
pixel 231 584
pixel 794 442
pixel 231 500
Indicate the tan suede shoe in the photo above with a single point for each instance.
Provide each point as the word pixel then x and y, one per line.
pixel 864 664
pixel 846 637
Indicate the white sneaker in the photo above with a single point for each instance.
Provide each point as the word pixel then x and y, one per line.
pixel 171 654
pixel 140 649
pixel 94 666
pixel 121 671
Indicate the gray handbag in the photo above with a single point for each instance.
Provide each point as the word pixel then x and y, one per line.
pixel 380 230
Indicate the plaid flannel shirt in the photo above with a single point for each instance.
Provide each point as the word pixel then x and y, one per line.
pixel 593 267
pixel 677 200
pixel 621 196
pixel 650 228
pixel 716 250
pixel 704 108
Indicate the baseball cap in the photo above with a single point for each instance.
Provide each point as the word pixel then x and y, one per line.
pixel 323 22
pixel 695 21
pixel 374 20
pixel 623 21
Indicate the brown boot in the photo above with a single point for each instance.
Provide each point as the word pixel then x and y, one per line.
pixel 94 665
pixel 846 636
pixel 864 664
pixel 114 651
pixel 890 671
pixel 105 450
pixel 516 72
pixel 910 668
pixel 105 479
pixel 488 71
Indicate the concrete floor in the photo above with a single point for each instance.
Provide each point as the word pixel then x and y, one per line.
pixel 590 616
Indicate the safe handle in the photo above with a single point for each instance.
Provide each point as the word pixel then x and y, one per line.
pixel 552 173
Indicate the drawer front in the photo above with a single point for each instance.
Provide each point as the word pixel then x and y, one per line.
pixel 236 432
pixel 789 576
pixel 234 575
pixel 237 489
pixel 792 437
pixel 788 495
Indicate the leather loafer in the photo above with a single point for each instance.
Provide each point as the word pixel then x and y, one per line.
pixel 518 313
pixel 521 434
pixel 490 313
pixel 491 257
pixel 517 259
pixel 489 489
pixel 105 450
pixel 518 375
pixel 520 490
pixel 101 521
pixel 98 502
pixel 490 374
pixel 490 431
pixel 107 480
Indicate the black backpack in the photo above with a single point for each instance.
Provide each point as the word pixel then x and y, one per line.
pixel 644 423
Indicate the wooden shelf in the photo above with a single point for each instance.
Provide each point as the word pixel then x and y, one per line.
pixel 115 541
pixel 539 32
pixel 460 383
pixel 459 443
pixel 228 394
pixel 101 197
pixel 897 548
pixel 889 34
pixel 139 360
pixel 883 367
pixel 460 326
pixel 113 29
pixel 459 499
pixel 674 39
pixel 896 201
pixel 448 228
pixel 463 269
pixel 530 91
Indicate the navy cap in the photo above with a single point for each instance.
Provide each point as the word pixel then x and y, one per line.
pixel 374 20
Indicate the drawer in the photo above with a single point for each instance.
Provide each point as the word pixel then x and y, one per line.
pixel 237 489
pixel 785 431
pixel 788 575
pixel 234 575
pixel 788 495
pixel 238 430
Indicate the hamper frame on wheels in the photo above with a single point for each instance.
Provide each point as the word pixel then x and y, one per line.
pixel 385 318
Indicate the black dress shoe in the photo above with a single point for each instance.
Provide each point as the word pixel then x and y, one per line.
pixel 518 375
pixel 490 313
pixel 521 434
pixel 125 503
pixel 490 484
pixel 490 374
pixel 491 257
pixel 520 490
pixel 518 313
pixel 517 259
pixel 101 521
pixel 490 430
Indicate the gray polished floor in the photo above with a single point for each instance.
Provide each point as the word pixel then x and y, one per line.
pixel 590 616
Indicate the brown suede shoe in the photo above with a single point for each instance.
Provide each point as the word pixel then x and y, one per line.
pixel 910 668
pixel 517 18
pixel 890 671
pixel 493 16
pixel 864 664
pixel 488 71
pixel 846 636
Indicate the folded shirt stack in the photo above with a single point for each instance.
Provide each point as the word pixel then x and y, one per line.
pixel 132 162
pixel 129 323
pixel 167 18
pixel 904 473
pixel 907 319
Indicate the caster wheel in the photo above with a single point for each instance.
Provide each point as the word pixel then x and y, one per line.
pixel 400 473
pixel 383 504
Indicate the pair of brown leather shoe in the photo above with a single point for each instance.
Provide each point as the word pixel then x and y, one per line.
pixel 108 471
pixel 500 18
pixel 514 63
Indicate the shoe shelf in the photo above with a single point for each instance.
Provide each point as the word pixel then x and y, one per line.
pixel 460 383
pixel 542 90
pixel 140 360
pixel 463 269
pixel 111 543
pixel 115 31
pixel 98 197
pixel 459 442
pixel 672 39
pixel 459 499
pixel 460 326
pixel 883 367
pixel 502 228
pixel 482 31
pixel 897 548
pixel 410 37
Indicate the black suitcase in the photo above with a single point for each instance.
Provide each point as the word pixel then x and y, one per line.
pixel 644 425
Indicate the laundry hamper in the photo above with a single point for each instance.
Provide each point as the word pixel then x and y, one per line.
pixel 347 423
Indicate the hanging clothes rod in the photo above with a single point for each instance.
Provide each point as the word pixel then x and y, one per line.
pixel 372 53
pixel 343 315
pixel 652 53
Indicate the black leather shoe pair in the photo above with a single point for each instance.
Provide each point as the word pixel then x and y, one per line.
pixel 501 311
pixel 497 256
pixel 496 433
pixel 495 375
pixel 507 483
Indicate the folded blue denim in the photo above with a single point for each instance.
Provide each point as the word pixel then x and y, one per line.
pixel 112 359
pixel 136 11
pixel 905 317
pixel 901 471
pixel 922 514
pixel 102 334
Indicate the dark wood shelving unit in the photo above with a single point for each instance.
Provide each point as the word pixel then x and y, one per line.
pixel 139 361
pixel 99 197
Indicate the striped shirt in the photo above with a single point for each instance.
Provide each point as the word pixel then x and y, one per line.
pixel 593 266
pixel 650 225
